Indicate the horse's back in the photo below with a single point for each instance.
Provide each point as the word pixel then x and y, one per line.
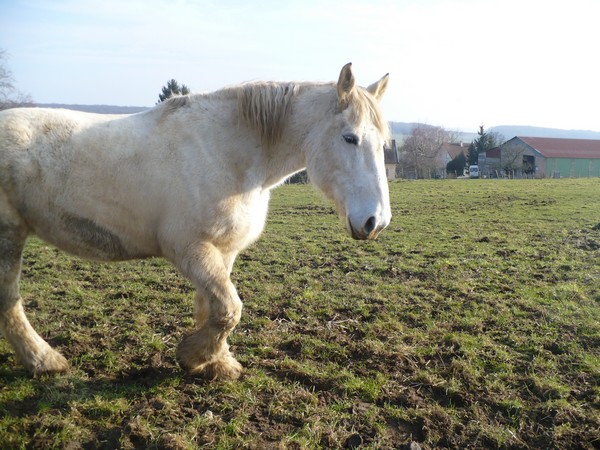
pixel 35 138
pixel 38 148
pixel 27 132
pixel 22 126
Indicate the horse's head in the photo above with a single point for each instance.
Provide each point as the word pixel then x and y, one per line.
pixel 346 160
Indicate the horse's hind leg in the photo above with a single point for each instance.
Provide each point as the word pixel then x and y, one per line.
pixel 35 353
pixel 217 312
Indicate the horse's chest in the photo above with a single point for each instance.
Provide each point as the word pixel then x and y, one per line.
pixel 242 219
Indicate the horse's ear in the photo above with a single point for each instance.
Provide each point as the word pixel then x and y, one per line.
pixel 378 88
pixel 345 85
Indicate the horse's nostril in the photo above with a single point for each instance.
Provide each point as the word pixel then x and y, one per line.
pixel 370 225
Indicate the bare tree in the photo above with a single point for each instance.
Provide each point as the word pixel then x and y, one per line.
pixel 454 136
pixel 496 139
pixel 422 150
pixel 512 158
pixel 10 97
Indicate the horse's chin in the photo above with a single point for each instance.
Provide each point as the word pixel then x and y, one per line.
pixel 363 237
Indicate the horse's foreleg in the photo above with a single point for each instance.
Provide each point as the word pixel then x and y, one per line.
pixel 201 310
pixel 217 312
pixel 201 304
pixel 34 353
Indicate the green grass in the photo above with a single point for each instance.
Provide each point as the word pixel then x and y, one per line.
pixel 473 322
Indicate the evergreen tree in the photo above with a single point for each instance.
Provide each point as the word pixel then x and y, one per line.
pixel 172 88
pixel 472 154
pixel 482 143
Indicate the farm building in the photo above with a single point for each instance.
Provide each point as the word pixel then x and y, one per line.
pixel 544 157
pixel 451 151
pixel 392 159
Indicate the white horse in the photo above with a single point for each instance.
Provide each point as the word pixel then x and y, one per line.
pixel 188 180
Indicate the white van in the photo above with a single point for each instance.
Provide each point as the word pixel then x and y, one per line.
pixel 474 171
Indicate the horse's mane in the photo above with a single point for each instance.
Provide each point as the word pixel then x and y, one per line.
pixel 266 106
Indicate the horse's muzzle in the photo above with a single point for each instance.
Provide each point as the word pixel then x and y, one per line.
pixel 369 230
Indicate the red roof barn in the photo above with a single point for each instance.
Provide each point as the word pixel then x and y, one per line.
pixel 544 157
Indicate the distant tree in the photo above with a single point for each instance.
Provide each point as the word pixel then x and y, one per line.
pixel 485 141
pixel 172 88
pixel 472 154
pixel 496 139
pixel 10 97
pixel 482 143
pixel 512 158
pixel 454 136
pixel 299 178
pixel 422 150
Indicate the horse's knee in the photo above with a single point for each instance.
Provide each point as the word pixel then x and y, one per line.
pixel 226 315
pixel 223 314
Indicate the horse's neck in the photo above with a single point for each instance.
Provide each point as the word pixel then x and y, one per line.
pixel 272 163
pixel 289 155
pixel 282 160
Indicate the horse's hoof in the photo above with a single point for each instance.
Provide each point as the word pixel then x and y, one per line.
pixel 226 368
pixel 51 362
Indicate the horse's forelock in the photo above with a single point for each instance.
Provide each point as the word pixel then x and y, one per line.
pixel 366 106
pixel 266 106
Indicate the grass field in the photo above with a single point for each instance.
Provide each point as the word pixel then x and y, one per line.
pixel 473 322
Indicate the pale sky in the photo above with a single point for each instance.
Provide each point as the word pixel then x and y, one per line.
pixel 452 63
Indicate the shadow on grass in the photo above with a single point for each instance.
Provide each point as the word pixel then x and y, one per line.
pixel 58 391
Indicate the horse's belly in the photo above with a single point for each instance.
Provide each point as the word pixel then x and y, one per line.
pixel 84 238
pixel 87 225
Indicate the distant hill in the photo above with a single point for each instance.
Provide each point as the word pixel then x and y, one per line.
pixel 402 127
pixel 98 109
pixel 400 130
pixel 510 131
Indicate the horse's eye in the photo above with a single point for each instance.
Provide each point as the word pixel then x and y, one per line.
pixel 351 139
